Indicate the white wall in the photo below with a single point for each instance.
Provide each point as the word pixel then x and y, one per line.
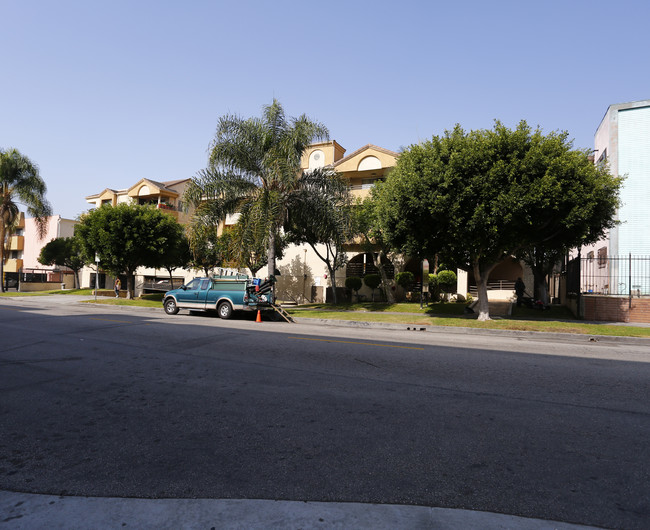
pixel 634 163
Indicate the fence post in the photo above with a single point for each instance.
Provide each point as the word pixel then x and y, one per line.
pixel 629 280
pixel 579 274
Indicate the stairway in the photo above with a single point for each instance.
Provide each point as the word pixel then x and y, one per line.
pixel 283 313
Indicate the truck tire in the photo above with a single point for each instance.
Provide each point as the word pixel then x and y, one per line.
pixel 224 310
pixel 170 306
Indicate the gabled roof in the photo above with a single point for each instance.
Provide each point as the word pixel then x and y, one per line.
pixel 174 182
pixel 366 147
pixel 98 195
pixel 160 186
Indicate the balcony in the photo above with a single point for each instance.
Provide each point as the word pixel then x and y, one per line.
pixel 16 243
pixel 13 265
pixel 168 208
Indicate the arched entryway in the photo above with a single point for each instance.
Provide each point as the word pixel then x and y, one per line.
pixel 363 264
pixel 502 278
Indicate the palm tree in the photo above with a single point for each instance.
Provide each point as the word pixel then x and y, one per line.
pixel 19 182
pixel 254 171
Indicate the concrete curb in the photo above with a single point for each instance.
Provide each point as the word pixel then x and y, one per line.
pixel 28 511
pixel 534 335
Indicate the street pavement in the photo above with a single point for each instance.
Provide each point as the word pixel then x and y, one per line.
pixel 21 510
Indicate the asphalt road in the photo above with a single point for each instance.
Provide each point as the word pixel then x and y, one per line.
pixel 133 403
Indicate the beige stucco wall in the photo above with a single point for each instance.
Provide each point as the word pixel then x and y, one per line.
pixel 352 164
pixel 332 152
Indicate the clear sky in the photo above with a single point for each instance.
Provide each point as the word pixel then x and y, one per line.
pixel 102 94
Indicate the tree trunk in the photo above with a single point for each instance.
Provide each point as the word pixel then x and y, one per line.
pixel 541 288
pixel 171 278
pixel 129 285
pixel 390 295
pixel 77 283
pixel 332 282
pixel 481 286
pixel 271 254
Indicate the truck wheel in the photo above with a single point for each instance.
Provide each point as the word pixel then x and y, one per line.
pixel 224 310
pixel 170 306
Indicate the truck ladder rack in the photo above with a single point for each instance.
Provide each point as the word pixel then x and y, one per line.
pixel 283 313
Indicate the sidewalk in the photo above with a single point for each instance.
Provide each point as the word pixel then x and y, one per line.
pixel 29 511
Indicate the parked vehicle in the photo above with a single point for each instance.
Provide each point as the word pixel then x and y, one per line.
pixel 223 294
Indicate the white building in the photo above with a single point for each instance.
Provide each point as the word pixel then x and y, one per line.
pixel 623 141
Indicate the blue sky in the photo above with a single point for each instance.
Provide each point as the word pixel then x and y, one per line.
pixel 101 94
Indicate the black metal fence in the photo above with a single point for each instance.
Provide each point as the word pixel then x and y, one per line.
pixel 611 275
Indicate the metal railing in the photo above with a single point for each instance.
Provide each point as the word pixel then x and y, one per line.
pixel 495 285
pixel 612 275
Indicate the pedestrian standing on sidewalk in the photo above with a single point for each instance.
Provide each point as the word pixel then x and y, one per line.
pixel 118 286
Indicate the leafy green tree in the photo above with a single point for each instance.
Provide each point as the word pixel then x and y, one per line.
pixel 64 252
pixel 254 170
pixel 575 204
pixel 20 181
pixel 208 250
pixel 480 197
pixel 324 221
pixel 127 236
pixel 177 255
pixel 253 255
pixel 373 238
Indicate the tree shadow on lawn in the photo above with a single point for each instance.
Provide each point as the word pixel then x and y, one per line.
pixel 554 312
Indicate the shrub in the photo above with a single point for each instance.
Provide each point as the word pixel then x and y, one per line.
pixel 469 299
pixel 405 279
pixel 353 283
pixel 372 280
pixel 434 288
pixel 447 281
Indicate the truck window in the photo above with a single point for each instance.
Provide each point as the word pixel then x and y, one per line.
pixel 194 284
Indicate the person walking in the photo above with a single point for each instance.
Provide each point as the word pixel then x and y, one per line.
pixel 117 287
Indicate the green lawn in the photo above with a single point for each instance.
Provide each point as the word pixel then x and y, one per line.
pixel 146 300
pixel 85 292
pixel 558 319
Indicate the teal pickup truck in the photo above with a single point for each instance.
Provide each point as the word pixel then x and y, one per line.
pixel 223 294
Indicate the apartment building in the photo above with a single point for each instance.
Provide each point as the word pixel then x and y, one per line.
pixel 622 140
pixel 166 195
pixel 14 252
pixel 303 275
pixel 24 248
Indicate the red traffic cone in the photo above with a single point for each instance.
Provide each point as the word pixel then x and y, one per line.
pixel 259 316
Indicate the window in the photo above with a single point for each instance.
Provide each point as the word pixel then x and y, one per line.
pixel 205 284
pixel 602 257
pixel 194 284
pixel 366 184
